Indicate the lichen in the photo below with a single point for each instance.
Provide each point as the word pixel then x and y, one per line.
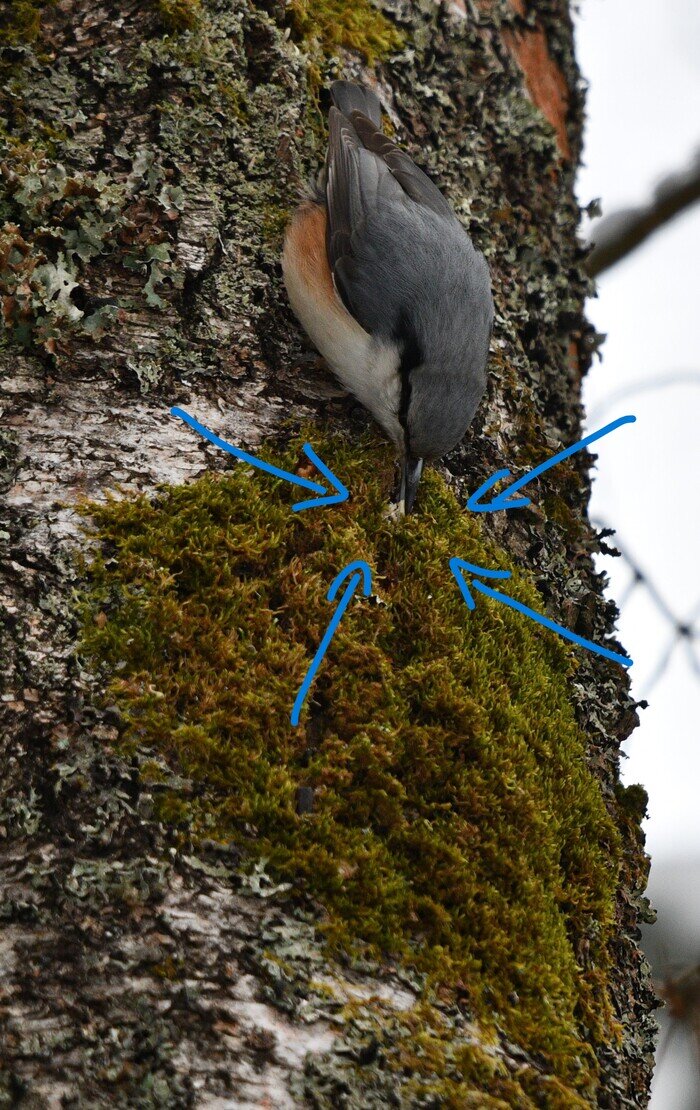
pixel 64 225
pixel 455 827
pixel 219 154
pixel 58 222
pixel 62 222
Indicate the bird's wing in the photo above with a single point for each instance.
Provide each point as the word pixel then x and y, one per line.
pixel 414 182
pixel 344 186
pixel 370 184
pixel 349 97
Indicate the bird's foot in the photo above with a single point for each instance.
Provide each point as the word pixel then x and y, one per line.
pixel 395 510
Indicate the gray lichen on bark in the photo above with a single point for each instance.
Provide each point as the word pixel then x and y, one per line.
pixel 145 184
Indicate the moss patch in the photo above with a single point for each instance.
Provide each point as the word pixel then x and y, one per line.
pixel 455 826
pixel 178 15
pixel 330 24
pixel 22 23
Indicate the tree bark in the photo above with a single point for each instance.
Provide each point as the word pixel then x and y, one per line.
pixel 153 153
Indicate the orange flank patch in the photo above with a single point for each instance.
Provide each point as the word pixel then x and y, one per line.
pixel 305 245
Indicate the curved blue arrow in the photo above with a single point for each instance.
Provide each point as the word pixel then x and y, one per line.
pixel 359 572
pixel 502 499
pixel 334 498
pixel 458 565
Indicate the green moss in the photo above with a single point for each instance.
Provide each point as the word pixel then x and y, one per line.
pixel 234 96
pixel 170 808
pixel 422 1049
pixel 633 801
pixel 455 825
pixel 330 24
pixel 179 15
pixel 557 505
pixel 22 24
pixel 274 221
pixel 169 968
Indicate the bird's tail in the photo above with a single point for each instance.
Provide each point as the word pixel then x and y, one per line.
pixel 349 97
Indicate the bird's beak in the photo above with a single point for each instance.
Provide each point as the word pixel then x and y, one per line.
pixel 410 477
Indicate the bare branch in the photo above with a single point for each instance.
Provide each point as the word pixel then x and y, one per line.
pixel 617 235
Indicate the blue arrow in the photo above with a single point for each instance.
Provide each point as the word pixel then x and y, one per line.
pixel 360 572
pixel 459 565
pixel 501 500
pixel 341 493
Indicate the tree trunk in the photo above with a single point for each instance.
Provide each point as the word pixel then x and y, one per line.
pixel 166 942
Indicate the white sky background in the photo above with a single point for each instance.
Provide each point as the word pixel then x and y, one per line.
pixel 642 61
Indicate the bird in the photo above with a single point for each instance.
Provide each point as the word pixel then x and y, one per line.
pixel 389 288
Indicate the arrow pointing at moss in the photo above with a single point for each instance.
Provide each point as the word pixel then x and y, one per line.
pixel 338 494
pixel 503 500
pixel 458 566
pixel 360 572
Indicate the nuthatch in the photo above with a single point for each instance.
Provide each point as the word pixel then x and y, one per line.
pixel 389 287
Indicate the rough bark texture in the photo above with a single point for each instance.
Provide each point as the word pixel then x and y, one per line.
pixel 152 156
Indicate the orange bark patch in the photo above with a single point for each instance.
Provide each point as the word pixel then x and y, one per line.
pixel 545 81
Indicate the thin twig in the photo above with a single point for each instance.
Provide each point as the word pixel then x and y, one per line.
pixel 682 630
pixel 649 385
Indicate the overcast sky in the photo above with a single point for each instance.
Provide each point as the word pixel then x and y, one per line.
pixel 642 61
pixel 644 120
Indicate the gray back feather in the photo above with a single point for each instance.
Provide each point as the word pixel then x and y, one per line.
pixel 349 97
pixel 406 269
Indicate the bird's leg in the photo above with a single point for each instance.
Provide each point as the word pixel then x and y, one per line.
pixel 412 468
pixel 405 496
pixel 396 509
